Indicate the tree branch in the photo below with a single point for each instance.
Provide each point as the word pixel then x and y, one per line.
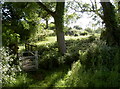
pixel 46 9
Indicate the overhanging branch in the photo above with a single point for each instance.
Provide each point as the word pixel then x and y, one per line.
pixel 45 8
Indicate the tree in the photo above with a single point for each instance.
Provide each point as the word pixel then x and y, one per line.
pixel 59 23
pixel 119 6
pixel 112 32
pixel 92 9
pixel 107 14
pixel 119 12
pixel 20 18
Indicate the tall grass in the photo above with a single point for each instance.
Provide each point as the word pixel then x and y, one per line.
pixel 93 64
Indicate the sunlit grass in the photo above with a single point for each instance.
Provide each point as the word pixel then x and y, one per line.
pixel 75 37
pixel 51 77
pixel 21 48
pixel 53 39
pixel 49 80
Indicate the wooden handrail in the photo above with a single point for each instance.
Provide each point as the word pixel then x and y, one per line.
pixel 29 47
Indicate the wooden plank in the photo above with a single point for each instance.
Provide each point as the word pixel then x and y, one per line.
pixel 30 63
pixel 28 57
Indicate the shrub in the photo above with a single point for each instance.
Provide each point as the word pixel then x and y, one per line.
pixel 46 47
pixel 49 60
pixel 78 77
pixel 89 30
pixel 91 38
pixel 72 32
pixel 9 37
pixel 99 54
pixel 8 71
pixel 21 81
pixel 82 33
pixel 102 78
pixel 41 35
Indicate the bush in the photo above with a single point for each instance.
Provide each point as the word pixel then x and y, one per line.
pixel 49 60
pixel 73 47
pixel 99 54
pixel 72 32
pixel 21 81
pixel 10 37
pixel 89 30
pixel 41 35
pixel 9 71
pixel 102 78
pixel 78 77
pixel 91 38
pixel 83 33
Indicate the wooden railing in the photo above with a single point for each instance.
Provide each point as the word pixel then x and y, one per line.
pixel 30 58
pixel 30 47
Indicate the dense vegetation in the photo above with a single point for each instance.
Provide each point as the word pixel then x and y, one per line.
pixel 81 58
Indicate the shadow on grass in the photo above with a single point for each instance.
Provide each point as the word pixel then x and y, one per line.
pixel 47 78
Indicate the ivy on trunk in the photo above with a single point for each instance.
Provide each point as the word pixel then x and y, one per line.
pixel 112 32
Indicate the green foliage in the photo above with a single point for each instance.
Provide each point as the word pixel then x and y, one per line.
pixel 70 18
pixel 78 77
pixel 99 67
pixel 89 30
pixel 51 26
pixel 49 60
pixel 100 54
pixel 77 27
pixel 21 18
pixel 98 30
pixel 21 81
pixel 8 37
pixel 93 64
pixel 48 56
pixel 75 32
pixel 102 78
pixel 40 35
pixel 49 77
pixel 8 71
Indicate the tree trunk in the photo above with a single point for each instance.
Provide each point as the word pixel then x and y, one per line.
pixel 59 24
pixel 119 6
pixel 46 20
pixel 112 33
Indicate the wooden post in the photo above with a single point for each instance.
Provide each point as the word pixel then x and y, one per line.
pixel 36 59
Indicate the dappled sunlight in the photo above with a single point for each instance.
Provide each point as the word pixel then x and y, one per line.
pixel 52 45
pixel 21 47
pixel 51 77
pixel 75 37
pixel 48 40
pixel 52 39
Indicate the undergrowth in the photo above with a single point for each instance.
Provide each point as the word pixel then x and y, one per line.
pixel 89 62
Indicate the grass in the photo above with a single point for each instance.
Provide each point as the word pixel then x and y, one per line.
pixel 53 39
pixel 48 40
pixel 79 75
pixel 49 77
